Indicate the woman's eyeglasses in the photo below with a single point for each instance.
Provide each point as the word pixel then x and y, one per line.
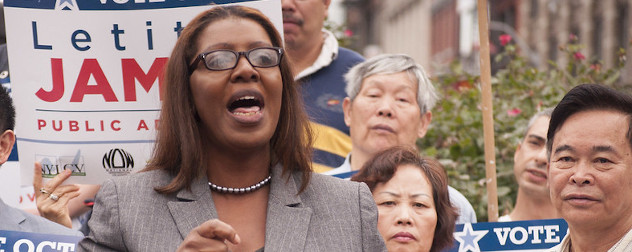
pixel 224 59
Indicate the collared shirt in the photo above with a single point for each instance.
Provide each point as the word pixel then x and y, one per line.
pixel 504 218
pixel 343 171
pixel 328 53
pixel 623 245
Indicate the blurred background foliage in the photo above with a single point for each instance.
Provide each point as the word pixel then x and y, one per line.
pixel 519 91
pixel 344 36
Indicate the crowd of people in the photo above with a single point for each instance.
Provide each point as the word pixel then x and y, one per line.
pixel 302 145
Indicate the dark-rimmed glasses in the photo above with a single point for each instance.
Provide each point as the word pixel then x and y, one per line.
pixel 224 59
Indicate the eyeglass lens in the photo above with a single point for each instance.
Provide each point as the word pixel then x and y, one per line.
pixel 226 59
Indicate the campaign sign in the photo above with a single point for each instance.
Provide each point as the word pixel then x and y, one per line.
pixel 31 242
pixel 533 235
pixel 85 79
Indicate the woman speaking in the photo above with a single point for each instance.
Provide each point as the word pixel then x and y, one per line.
pixel 231 167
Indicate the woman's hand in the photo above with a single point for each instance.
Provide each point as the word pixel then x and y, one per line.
pixel 210 236
pixel 52 199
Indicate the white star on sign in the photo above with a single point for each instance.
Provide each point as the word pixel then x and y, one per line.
pixel 66 5
pixel 468 238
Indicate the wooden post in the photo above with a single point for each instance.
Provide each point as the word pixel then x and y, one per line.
pixel 488 113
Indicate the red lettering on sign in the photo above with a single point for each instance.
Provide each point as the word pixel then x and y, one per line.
pixel 92 68
pixel 57 92
pixel 142 125
pixel 132 71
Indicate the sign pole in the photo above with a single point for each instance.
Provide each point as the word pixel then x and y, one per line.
pixel 488 115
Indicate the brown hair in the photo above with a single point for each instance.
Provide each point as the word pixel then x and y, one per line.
pixel 382 167
pixel 179 144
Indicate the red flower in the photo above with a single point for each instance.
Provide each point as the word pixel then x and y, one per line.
pixel 348 33
pixel 514 112
pixel 462 85
pixel 572 37
pixel 504 39
pixel 596 67
pixel 579 56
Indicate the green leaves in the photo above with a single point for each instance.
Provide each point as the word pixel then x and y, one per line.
pixel 519 91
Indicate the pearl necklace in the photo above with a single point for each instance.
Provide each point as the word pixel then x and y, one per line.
pixel 248 189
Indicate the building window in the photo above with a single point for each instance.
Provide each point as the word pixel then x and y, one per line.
pixel 552 32
pixel 597 30
pixel 535 5
pixel 622 24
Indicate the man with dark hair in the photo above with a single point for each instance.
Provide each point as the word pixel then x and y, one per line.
pixel 11 218
pixel 590 168
pixel 530 160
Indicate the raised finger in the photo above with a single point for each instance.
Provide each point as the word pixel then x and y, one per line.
pixel 37 179
pixel 59 205
pixel 195 242
pixel 218 230
pixel 61 192
pixel 62 202
pixel 63 189
pixel 53 183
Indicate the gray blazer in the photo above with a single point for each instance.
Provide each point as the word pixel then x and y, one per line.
pixel 330 215
pixel 13 219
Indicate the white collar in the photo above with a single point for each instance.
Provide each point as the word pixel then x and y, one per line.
pixel 343 168
pixel 328 53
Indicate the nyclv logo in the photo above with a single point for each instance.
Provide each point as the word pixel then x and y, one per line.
pixel 118 162
pixel 53 165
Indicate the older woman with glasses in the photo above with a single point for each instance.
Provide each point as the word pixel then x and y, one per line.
pixel 411 192
pixel 231 166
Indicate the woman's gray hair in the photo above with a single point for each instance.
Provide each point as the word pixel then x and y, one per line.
pixel 389 64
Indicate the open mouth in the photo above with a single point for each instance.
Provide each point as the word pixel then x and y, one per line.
pixel 246 105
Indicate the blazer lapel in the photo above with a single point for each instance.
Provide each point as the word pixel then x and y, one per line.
pixel 287 220
pixel 192 208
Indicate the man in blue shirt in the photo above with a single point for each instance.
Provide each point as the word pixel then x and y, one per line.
pixel 319 64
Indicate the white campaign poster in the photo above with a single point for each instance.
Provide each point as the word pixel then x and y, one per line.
pixel 85 78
